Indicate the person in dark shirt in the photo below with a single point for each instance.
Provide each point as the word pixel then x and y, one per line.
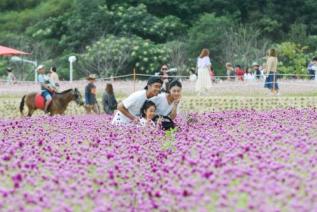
pixel 90 95
pixel 109 101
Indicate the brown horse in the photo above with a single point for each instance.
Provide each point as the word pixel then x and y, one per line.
pixel 58 105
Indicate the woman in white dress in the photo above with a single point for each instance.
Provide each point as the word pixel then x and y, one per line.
pixel 167 103
pixel 203 82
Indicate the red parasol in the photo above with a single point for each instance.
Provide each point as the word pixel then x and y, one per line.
pixel 5 51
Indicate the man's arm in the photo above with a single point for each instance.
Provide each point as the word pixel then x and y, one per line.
pixel 126 112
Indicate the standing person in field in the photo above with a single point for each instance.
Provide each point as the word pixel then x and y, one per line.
pixel 312 68
pixel 109 102
pixel 11 79
pixel 164 77
pixel 271 71
pixel 230 72
pixel 192 76
pixel 90 95
pixel 212 74
pixel 239 73
pixel 129 109
pixel 203 82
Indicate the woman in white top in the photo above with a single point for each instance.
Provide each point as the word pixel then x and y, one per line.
pixel 203 65
pixel 129 109
pixel 166 103
pixel 271 70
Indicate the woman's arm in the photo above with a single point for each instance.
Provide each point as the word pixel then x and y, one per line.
pixel 173 113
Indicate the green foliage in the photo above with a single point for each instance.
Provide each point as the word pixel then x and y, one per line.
pixel 298 33
pixel 137 20
pixel 292 58
pixel 207 32
pixel 158 31
pixel 118 55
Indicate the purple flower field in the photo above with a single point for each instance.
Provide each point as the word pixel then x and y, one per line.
pixel 234 160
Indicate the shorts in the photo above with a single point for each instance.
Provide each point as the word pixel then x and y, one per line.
pixel 47 95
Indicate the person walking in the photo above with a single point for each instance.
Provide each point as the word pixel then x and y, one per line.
pixel 90 95
pixel 271 71
pixel 109 102
pixel 164 77
pixel 256 69
pixel 203 82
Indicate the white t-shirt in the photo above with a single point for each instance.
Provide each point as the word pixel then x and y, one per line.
pixel 163 108
pixel 133 104
pixel 203 62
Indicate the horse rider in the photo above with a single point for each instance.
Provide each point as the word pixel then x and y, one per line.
pixel 47 86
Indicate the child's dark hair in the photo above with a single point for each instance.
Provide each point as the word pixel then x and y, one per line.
pixel 174 83
pixel 147 104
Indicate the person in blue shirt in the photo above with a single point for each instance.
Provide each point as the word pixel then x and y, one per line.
pixel 90 95
pixel 312 68
pixel 47 88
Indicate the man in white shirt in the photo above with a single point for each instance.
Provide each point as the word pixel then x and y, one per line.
pixel 129 109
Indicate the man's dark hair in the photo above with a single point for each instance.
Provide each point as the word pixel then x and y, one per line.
pixel 54 69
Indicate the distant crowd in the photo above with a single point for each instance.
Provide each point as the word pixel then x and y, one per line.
pixel 158 101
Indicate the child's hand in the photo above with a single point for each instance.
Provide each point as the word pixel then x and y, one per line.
pixel 159 120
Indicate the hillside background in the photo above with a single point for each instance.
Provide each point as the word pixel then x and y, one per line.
pixel 111 37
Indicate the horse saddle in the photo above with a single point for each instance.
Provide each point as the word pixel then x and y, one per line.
pixel 40 101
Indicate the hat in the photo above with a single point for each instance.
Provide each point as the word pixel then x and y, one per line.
pixel 91 77
pixel 152 80
pixel 40 67
pixel 255 64
pixel 228 64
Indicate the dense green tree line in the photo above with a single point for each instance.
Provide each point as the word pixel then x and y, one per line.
pixel 112 37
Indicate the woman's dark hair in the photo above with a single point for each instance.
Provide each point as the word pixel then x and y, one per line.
pixel 109 88
pixel 272 53
pixel 147 104
pixel 174 83
pixel 54 69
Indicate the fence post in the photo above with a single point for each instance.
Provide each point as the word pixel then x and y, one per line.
pixel 134 78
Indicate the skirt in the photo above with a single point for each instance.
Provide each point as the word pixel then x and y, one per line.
pixel 203 82
pixel 271 81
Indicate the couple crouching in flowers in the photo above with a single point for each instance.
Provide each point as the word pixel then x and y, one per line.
pixel 149 107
